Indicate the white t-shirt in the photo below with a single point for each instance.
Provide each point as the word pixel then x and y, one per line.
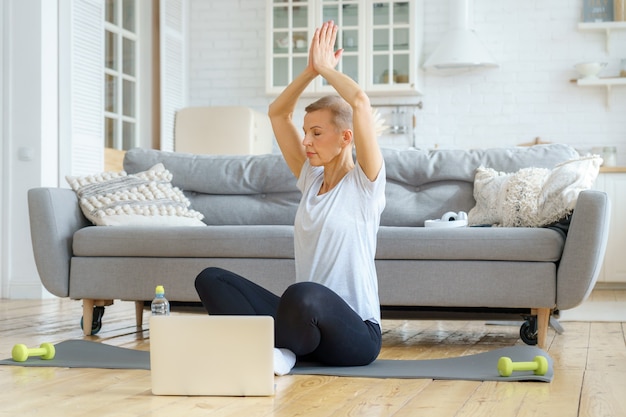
pixel 335 236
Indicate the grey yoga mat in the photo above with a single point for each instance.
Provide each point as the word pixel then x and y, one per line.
pixel 479 367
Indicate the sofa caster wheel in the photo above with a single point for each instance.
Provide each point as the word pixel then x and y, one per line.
pixel 528 331
pixel 96 324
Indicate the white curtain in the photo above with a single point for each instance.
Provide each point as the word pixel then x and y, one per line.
pixel 81 87
pixel 173 61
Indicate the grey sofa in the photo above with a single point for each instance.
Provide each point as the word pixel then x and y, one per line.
pixel 249 204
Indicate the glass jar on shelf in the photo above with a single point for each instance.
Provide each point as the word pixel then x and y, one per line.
pixel 609 155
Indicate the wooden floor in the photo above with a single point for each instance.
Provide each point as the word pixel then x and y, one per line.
pixel 590 373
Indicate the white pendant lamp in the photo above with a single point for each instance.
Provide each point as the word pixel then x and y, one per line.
pixel 460 50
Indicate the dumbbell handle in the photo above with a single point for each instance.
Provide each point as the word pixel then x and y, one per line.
pixel 525 366
pixel 21 352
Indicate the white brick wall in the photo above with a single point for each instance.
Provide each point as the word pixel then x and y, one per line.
pixel 227 53
pixel 535 42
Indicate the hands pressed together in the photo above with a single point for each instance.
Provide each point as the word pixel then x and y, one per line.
pixel 322 54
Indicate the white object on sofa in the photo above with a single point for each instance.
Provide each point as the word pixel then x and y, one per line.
pixel 227 130
pixel 448 220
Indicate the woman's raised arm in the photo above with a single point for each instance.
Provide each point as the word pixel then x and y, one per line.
pixel 324 60
pixel 281 114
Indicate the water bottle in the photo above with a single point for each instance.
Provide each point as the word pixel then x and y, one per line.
pixel 160 306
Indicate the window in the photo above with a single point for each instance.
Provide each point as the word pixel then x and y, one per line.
pixel 121 74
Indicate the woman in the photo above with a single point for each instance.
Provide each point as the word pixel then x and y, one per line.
pixel 332 313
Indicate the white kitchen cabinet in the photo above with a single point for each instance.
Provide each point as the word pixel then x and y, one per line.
pixel 381 40
pixel 614 268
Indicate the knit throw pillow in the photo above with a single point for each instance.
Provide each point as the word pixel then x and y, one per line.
pixel 143 199
pixel 531 197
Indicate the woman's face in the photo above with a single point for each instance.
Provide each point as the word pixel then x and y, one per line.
pixel 323 141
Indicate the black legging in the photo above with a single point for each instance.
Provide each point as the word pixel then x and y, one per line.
pixel 309 319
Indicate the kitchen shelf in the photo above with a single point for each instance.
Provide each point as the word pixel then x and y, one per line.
pixel 607 83
pixel 606 27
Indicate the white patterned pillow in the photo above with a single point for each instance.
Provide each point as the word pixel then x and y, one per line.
pixel 143 199
pixel 531 197
pixel 560 191
pixel 506 199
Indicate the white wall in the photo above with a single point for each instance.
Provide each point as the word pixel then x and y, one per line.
pixel 29 135
pixel 2 141
pixel 227 53
pixel 536 43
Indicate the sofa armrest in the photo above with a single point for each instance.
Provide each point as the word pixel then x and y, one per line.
pixel 584 249
pixel 54 216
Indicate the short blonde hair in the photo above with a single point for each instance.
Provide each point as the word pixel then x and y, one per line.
pixel 340 110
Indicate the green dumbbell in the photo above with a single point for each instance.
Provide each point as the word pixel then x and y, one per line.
pixel 506 366
pixel 21 352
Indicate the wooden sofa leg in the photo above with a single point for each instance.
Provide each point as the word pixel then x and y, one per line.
pixel 139 313
pixel 543 321
pixel 87 316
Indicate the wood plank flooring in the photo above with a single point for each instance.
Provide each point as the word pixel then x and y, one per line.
pixel 590 373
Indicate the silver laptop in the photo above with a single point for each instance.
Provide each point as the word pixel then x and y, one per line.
pixel 212 355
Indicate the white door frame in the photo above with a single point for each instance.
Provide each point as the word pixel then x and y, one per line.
pixel 3 163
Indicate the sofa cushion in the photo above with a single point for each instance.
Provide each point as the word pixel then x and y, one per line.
pixel 531 197
pixel 143 199
pixel 260 189
pixel 470 243
pixel 228 189
pixel 185 242
pixel 260 209
pixel 218 174
pixel 423 185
